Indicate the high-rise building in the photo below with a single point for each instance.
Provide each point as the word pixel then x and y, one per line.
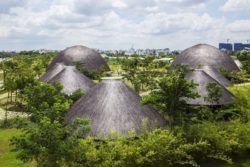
pixel 241 46
pixel 226 46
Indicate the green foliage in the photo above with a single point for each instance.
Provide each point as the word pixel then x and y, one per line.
pixel 156 148
pixel 224 137
pixel 46 139
pixel 21 71
pixel 92 74
pixel 142 73
pixel 173 91
pixel 214 92
pixel 44 99
pixel 76 95
pixel 242 101
pixel 244 58
pixel 237 76
pixel 16 122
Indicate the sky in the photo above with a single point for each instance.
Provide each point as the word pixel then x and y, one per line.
pixel 121 24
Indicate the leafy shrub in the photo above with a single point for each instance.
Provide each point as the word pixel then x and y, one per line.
pixel 156 148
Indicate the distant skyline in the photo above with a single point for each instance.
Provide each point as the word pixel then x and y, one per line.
pixel 119 24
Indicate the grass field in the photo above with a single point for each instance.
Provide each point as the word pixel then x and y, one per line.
pixel 242 90
pixel 7 157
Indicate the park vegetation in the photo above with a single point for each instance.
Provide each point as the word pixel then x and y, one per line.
pixel 195 135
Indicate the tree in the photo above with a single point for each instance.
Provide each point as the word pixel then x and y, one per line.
pixel 46 139
pixel 142 73
pixel 244 58
pixel 214 93
pixel 76 95
pixel 172 93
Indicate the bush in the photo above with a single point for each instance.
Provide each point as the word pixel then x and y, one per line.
pixel 225 138
pixel 16 122
pixel 159 148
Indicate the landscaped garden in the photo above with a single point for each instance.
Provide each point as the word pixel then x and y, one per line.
pixel 34 131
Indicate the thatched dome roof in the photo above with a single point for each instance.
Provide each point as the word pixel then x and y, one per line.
pixel 204 55
pixel 89 58
pixel 113 106
pixel 71 80
pixel 215 74
pixel 202 78
pixel 52 72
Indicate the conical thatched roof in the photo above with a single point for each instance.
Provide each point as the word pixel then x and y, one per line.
pixel 202 78
pixel 205 55
pixel 215 74
pixel 113 106
pixel 52 72
pixel 89 58
pixel 71 80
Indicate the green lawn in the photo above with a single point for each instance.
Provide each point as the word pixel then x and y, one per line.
pixel 242 90
pixel 7 157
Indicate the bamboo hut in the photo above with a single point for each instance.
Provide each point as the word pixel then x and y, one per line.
pixel 113 106
pixel 88 58
pixel 71 80
pixel 52 72
pixel 205 55
pixel 202 79
pixel 215 74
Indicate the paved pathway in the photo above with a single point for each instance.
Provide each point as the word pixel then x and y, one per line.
pixel 11 114
pixel 243 84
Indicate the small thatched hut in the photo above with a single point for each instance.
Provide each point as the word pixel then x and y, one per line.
pixel 215 74
pixel 71 80
pixel 205 55
pixel 202 78
pixel 88 58
pixel 52 72
pixel 113 106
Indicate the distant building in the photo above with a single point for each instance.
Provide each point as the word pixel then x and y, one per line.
pixel 226 46
pixel 241 46
pixel 162 51
pixel 140 52
pixel 165 59
pixel 130 52
pixel 149 51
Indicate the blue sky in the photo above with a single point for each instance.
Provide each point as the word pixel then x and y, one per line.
pixel 119 24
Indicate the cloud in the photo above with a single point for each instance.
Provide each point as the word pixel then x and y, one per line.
pixel 236 5
pixel 119 4
pixel 239 26
pixel 114 24
pixel 164 23
pixel 184 3
pixel 5 6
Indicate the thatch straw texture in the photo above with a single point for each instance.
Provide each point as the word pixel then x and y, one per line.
pixel 215 74
pixel 71 80
pixel 89 58
pixel 202 78
pixel 204 55
pixel 52 72
pixel 113 106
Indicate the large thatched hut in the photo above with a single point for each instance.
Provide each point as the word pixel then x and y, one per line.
pixel 52 72
pixel 113 106
pixel 88 58
pixel 205 55
pixel 200 77
pixel 215 74
pixel 71 80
